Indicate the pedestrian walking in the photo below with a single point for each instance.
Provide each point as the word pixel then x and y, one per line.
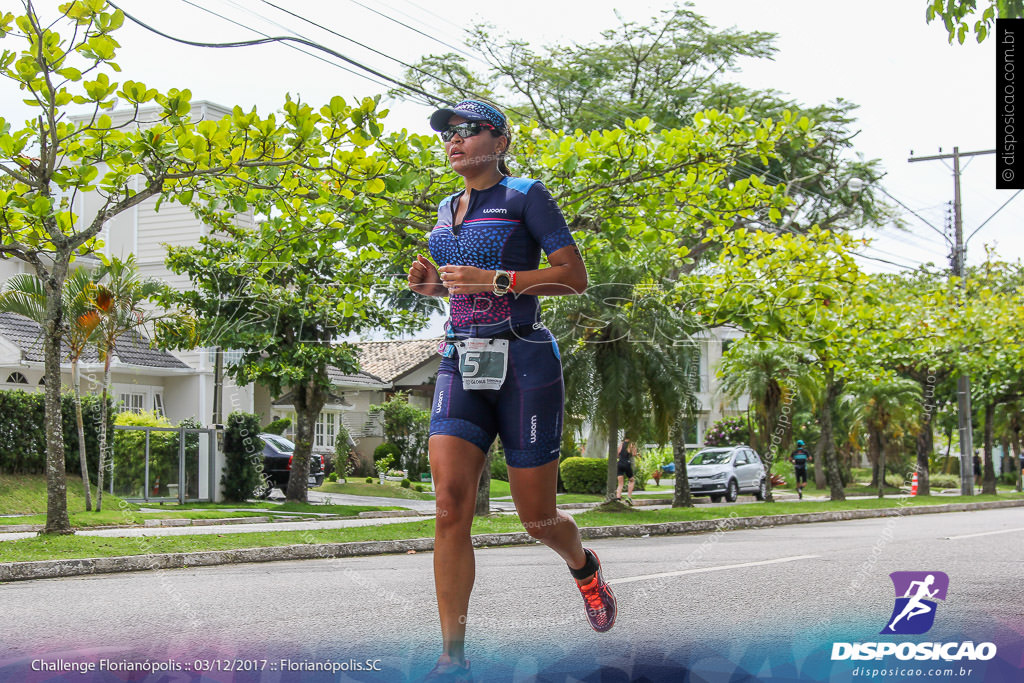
pixel 501 372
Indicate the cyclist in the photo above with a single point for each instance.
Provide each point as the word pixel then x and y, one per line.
pixel 501 373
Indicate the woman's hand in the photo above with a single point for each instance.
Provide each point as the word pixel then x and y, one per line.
pixel 466 279
pixel 423 278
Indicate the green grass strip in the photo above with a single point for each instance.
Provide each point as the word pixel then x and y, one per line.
pixel 64 547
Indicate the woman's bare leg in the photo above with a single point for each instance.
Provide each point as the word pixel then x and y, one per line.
pixel 455 465
pixel 533 491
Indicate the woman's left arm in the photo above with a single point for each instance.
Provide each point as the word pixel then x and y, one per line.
pixel 566 275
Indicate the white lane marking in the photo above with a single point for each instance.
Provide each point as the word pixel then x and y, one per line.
pixel 702 570
pixel 985 533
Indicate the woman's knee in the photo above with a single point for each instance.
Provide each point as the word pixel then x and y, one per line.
pixel 454 508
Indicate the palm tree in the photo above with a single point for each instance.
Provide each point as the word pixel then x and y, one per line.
pixel 771 375
pixel 881 405
pixel 25 295
pixel 627 355
pixel 118 297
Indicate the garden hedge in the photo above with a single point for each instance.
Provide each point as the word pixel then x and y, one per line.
pixel 584 475
pixel 23 432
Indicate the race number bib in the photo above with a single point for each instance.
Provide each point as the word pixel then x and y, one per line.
pixel 482 362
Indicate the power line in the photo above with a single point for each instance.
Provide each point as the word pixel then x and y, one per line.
pixel 294 47
pixel 280 39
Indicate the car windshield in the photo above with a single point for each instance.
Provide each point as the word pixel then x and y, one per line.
pixel 711 458
pixel 280 443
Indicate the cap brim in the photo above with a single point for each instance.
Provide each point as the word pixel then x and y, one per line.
pixel 439 119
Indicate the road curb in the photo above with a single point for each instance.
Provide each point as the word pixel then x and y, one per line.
pixel 50 569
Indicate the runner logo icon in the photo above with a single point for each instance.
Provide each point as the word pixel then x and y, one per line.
pixel 914 611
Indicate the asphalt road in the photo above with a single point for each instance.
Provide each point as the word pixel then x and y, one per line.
pixel 769 602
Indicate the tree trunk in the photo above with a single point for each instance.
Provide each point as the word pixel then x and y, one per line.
pixel 103 431
pixel 57 521
pixel 819 464
pixel 878 446
pixel 483 489
pixel 309 401
pixel 681 495
pixel 75 378
pixel 613 458
pixel 835 481
pixel 989 481
pixel 925 436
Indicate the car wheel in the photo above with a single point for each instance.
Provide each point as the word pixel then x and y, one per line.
pixel 716 498
pixel 319 481
pixel 732 491
pixel 762 490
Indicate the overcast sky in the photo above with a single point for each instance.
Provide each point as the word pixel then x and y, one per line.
pixel 915 91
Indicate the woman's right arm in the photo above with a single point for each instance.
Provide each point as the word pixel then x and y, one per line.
pixel 424 279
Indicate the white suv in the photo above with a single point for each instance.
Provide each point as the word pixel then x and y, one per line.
pixel 727 471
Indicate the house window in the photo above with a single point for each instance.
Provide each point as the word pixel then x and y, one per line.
pixel 158 404
pixel 325 430
pixel 16 378
pixel 131 401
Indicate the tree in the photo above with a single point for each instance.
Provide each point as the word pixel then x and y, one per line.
pixel 628 358
pixel 803 290
pixel 284 291
pixel 120 295
pixel 955 14
pixel 407 427
pixel 769 374
pixel 25 295
pixel 51 159
pixel 881 404
pixel 668 70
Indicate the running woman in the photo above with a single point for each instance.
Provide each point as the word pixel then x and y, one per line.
pixel 799 459
pixel 501 373
pixel 627 454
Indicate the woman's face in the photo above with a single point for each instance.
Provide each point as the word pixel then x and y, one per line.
pixel 471 155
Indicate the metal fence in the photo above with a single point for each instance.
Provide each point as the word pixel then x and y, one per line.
pixel 153 464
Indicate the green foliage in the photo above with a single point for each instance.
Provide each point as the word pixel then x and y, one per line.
pixel 955 15
pixel 369 480
pixel 406 483
pixel 243 456
pixel 499 467
pixel 129 457
pixel 584 475
pixel 278 426
pixel 944 481
pixel 729 431
pixel 332 477
pixel 384 450
pixel 23 435
pixel 407 428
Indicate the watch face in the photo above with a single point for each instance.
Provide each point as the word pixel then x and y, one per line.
pixel 502 280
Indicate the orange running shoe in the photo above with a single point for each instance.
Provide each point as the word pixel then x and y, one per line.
pixel 599 600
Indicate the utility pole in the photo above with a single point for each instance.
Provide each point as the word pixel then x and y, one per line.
pixel 958 264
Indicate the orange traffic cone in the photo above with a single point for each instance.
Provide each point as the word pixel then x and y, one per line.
pixel 913 485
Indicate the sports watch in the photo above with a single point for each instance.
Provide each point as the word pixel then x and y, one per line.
pixel 502 282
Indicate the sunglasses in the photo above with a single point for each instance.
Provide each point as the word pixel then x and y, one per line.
pixel 466 129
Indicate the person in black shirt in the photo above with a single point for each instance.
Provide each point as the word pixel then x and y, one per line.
pixel 799 459
pixel 627 453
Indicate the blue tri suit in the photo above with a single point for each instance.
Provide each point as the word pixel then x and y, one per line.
pixel 504 228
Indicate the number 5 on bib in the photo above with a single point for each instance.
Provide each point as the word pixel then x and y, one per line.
pixel 483 363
